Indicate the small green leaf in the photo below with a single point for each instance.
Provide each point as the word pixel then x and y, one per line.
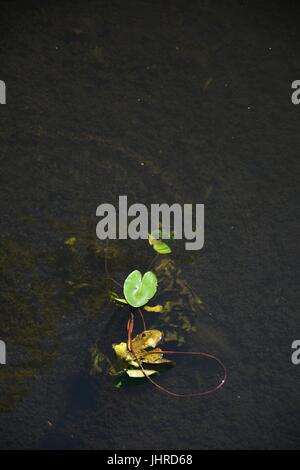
pixel 139 290
pixel 154 308
pixel 121 350
pixel 119 384
pixel 115 298
pixel 139 374
pixel 159 246
pixel 156 358
pixel 71 241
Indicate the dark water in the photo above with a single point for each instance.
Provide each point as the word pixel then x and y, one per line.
pixel 176 101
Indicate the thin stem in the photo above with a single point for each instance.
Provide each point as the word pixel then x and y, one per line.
pixel 113 280
pixel 130 327
pixel 143 319
pixel 108 276
pixel 152 262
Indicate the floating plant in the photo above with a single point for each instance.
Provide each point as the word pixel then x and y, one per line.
pixel 139 357
pixel 138 289
pixel 134 352
pixel 159 245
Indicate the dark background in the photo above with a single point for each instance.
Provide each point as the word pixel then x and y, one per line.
pixel 164 101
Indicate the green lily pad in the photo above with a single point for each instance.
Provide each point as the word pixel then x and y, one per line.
pixel 138 289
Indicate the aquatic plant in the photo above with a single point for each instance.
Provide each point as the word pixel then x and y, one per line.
pixel 139 357
pixel 159 245
pixel 138 289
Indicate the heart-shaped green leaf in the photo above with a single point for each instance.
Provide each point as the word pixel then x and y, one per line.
pixel 139 290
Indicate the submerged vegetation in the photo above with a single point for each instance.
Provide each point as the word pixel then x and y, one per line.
pixel 139 357
pixel 28 313
pixel 43 287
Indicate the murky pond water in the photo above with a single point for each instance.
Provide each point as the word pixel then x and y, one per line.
pixel 166 103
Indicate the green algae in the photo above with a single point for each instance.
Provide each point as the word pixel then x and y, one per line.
pixel 28 311
pixel 38 286
pixel 180 298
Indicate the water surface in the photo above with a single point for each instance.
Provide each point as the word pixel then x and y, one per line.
pixel 168 102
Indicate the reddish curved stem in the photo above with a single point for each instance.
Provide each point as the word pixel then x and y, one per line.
pixel 130 327
pixel 143 319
